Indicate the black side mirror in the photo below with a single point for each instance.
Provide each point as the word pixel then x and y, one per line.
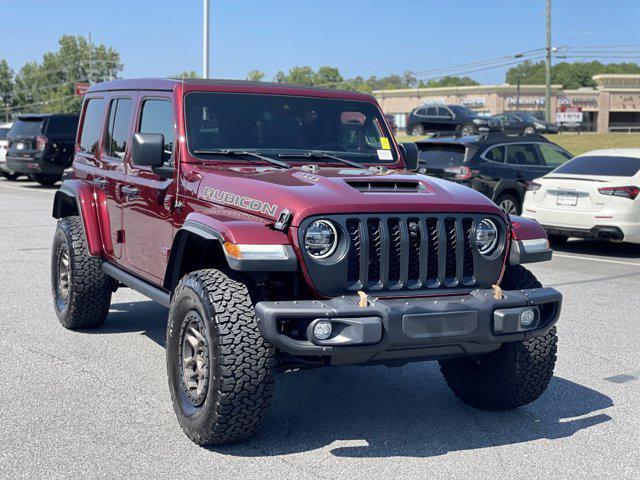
pixel 410 153
pixel 147 150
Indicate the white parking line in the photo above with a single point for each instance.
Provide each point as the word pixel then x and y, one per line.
pixel 580 257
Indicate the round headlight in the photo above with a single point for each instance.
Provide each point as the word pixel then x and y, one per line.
pixel 486 236
pixel 320 239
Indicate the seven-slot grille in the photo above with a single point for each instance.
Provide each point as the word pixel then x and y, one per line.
pixel 414 252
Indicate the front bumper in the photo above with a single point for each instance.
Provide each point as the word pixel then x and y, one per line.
pixel 391 330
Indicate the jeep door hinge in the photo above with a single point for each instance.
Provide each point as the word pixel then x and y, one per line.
pixel 284 220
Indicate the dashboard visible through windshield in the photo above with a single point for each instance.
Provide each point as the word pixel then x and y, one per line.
pixel 279 124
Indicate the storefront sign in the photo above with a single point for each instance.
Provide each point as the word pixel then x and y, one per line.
pixel 528 101
pixel 583 101
pixel 474 102
pixel 569 115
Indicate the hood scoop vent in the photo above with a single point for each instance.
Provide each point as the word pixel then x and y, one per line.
pixel 377 186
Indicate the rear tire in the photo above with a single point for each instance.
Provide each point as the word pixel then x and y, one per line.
pixel 81 290
pixel 12 177
pixel 558 240
pixel 529 131
pixel 468 129
pixel 512 376
pixel 509 204
pixel 223 395
pixel 417 130
pixel 46 180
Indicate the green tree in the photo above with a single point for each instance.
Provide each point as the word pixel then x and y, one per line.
pixel 255 76
pixel 328 77
pixel 570 75
pixel 49 86
pixel 6 87
pixel 450 81
pixel 186 74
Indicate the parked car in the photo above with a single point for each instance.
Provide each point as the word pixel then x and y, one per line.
pixel 391 121
pixel 596 195
pixel 449 119
pixel 42 146
pixel 287 229
pixel 6 173
pixel 524 123
pixel 497 165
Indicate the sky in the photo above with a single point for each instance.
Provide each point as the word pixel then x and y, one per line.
pixel 374 37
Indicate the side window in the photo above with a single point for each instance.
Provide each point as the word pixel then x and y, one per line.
pixel 431 112
pixel 496 154
pixel 552 156
pixel 92 126
pixel 421 111
pixel 444 112
pixel 157 117
pixel 522 154
pixel 118 128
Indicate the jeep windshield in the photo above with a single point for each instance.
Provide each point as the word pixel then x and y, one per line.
pixel 277 124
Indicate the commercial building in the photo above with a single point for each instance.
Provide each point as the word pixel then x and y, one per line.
pixel 613 105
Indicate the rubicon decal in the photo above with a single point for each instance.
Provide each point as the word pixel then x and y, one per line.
pixel 247 203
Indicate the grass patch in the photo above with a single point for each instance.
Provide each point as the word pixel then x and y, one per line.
pixel 579 143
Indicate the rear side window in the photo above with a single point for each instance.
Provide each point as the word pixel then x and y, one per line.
pixel 63 126
pixel 495 154
pixel 26 127
pixel 92 126
pixel 602 166
pixel 522 154
pixel 157 117
pixel 118 128
pixel 432 111
pixel 442 155
pixel 552 156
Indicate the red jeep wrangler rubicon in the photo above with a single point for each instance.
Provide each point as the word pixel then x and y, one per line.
pixel 283 227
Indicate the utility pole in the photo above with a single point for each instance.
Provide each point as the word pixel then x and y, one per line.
pixel 205 40
pixel 547 70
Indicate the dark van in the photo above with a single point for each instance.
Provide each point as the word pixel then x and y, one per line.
pixel 42 146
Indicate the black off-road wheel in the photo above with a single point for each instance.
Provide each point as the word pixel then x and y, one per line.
pixel 81 290
pixel 220 368
pixel 512 376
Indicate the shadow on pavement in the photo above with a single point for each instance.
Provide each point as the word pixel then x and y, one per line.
pixel 385 412
pixel 602 249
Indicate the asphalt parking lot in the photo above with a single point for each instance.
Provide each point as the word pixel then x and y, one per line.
pixel 96 404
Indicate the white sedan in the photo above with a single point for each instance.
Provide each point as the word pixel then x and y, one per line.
pixel 595 195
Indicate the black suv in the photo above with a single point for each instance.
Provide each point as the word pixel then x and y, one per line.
pixel 449 119
pixel 524 123
pixel 42 146
pixel 497 165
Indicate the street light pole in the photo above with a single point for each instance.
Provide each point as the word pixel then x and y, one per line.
pixel 205 40
pixel 547 70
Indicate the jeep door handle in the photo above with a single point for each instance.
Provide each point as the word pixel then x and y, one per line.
pixel 101 183
pixel 129 191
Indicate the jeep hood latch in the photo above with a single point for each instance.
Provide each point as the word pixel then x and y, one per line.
pixel 284 220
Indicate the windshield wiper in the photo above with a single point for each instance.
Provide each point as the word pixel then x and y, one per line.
pixel 242 153
pixel 321 155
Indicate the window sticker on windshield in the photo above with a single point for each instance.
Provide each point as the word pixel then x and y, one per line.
pixel 385 155
pixel 384 141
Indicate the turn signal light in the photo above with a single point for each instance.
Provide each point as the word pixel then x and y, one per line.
pixel 630 192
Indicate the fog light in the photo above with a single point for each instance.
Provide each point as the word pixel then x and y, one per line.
pixel 527 317
pixel 322 330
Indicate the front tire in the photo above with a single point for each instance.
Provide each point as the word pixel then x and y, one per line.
pixel 219 367
pixel 512 376
pixel 81 290
pixel 11 176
